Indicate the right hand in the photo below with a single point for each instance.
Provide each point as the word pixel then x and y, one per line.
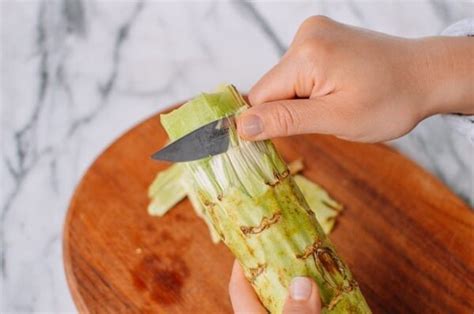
pixel 358 84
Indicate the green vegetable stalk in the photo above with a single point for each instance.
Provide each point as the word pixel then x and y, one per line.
pixel 260 213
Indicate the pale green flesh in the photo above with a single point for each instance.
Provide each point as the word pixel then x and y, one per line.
pixel 162 199
pixel 261 215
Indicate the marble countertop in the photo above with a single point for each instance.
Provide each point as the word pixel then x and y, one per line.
pixel 75 74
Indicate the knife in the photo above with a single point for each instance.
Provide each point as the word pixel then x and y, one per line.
pixel 209 140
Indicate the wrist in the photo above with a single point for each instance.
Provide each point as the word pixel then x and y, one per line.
pixel 446 67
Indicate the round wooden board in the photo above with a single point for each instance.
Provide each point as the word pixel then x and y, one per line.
pixel 407 239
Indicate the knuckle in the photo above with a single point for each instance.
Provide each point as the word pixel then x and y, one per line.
pixel 253 97
pixel 287 120
pixel 307 49
pixel 316 20
pixel 315 49
pixel 324 50
pixel 314 41
pixel 322 20
pixel 309 22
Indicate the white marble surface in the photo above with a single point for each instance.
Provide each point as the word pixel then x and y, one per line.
pixel 75 74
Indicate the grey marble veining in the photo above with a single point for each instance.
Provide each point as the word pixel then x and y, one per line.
pixel 76 73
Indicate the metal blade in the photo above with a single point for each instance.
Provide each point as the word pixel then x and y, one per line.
pixel 209 140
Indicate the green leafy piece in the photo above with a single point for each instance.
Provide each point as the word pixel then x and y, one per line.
pixel 324 207
pixel 166 190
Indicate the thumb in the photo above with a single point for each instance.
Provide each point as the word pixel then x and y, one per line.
pixel 303 297
pixel 288 117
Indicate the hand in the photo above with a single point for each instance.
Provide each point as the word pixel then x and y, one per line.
pixel 358 84
pixel 303 297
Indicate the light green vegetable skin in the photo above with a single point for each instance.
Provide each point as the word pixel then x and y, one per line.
pixel 258 211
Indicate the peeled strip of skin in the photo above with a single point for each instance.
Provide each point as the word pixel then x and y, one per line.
pixel 324 207
pixel 166 190
pixel 260 213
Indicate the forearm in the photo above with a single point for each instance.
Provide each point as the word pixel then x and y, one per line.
pixel 447 70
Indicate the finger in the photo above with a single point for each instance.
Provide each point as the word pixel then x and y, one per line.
pixel 290 117
pixel 242 295
pixel 303 297
pixel 288 79
pixel 294 76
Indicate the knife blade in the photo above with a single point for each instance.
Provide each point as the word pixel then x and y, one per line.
pixel 209 140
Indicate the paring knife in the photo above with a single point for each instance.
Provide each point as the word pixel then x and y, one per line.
pixel 209 140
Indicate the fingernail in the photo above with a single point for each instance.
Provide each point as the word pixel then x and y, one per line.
pixel 251 125
pixel 300 288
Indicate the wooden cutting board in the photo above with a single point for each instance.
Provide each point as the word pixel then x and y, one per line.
pixel 407 239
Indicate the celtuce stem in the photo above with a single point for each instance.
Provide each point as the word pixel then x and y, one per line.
pixel 260 213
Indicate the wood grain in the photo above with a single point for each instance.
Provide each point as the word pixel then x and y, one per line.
pixel 406 237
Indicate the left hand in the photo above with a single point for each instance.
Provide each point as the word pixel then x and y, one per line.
pixel 303 297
